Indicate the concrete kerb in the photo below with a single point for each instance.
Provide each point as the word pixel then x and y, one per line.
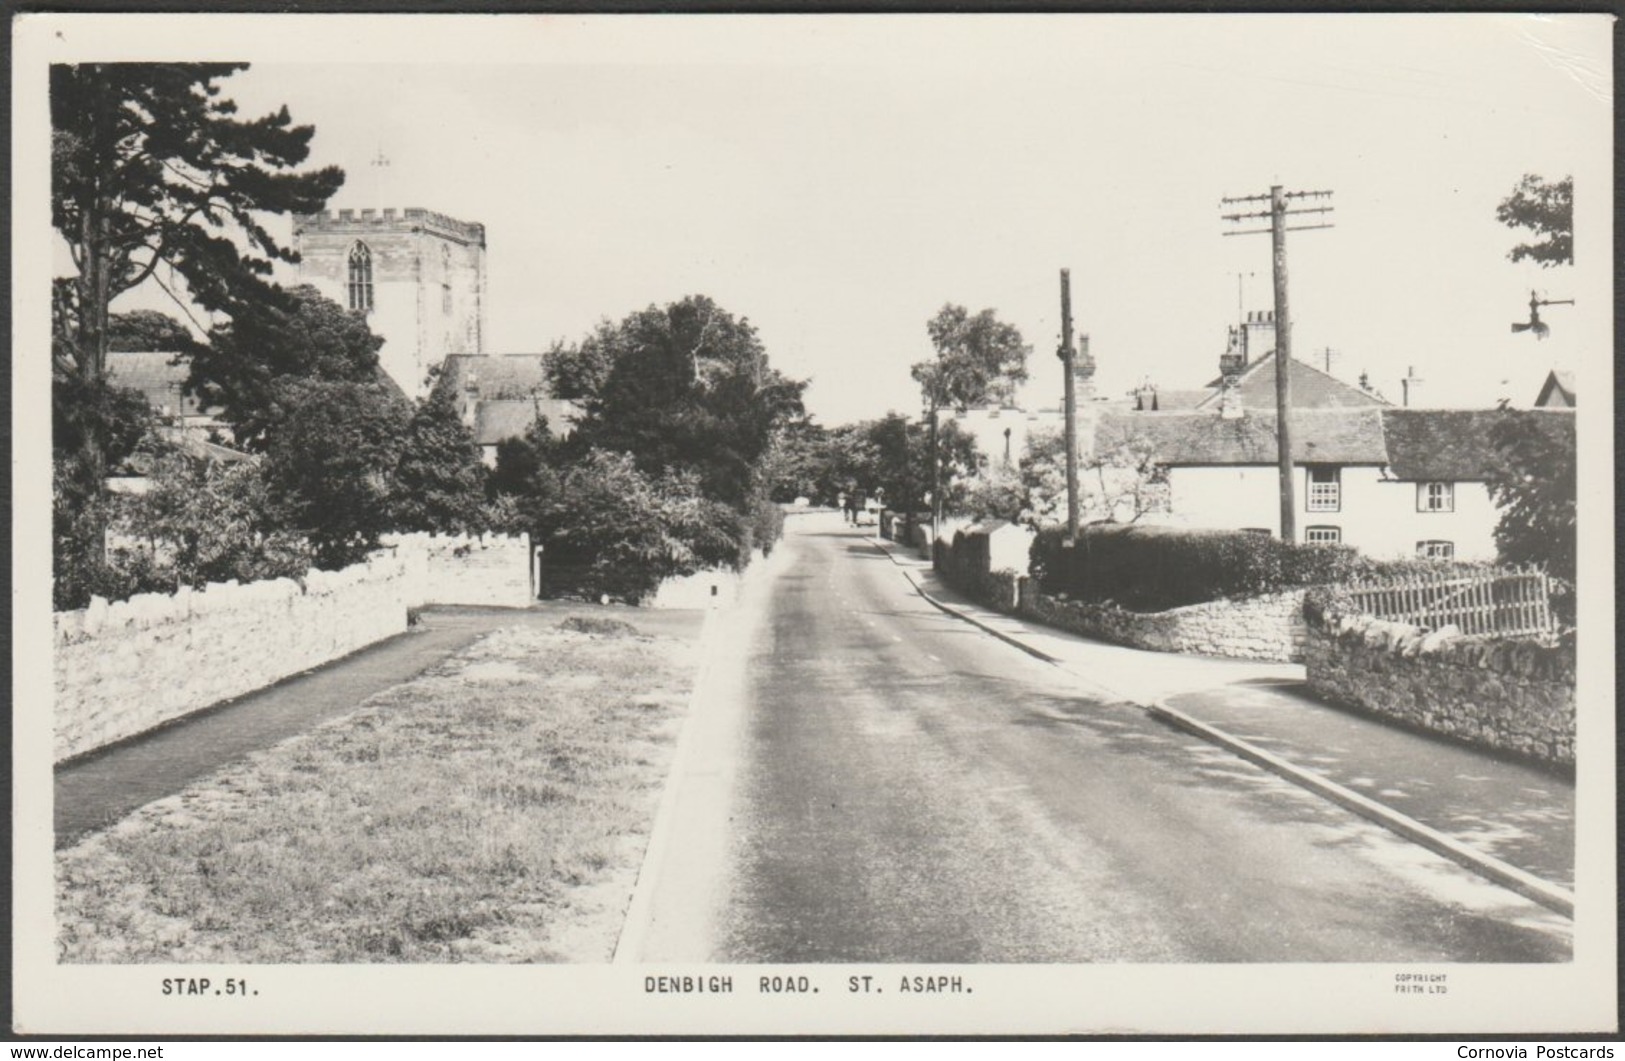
pixel 1549 895
pixel 635 926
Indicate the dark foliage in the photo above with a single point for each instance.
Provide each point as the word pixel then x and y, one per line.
pixel 331 465
pixel 1547 210
pixel 1535 488
pixel 439 483
pixel 148 331
pixel 1152 568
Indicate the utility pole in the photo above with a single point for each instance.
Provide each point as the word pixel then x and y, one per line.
pixel 1066 354
pixel 1278 213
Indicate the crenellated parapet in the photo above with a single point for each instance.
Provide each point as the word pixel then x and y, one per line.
pixel 389 219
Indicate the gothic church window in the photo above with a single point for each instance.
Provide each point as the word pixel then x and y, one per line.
pixel 360 278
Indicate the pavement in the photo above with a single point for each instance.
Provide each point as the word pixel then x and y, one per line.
pixel 1509 821
pixel 96 790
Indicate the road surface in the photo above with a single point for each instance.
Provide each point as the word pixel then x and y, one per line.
pixel 868 779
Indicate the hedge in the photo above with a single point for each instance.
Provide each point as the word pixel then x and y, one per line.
pixel 1154 568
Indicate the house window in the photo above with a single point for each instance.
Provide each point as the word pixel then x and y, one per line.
pixel 1435 550
pixel 1325 489
pixel 1435 497
pixel 1323 535
pixel 360 278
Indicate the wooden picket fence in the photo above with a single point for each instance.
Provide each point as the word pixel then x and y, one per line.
pixel 1515 603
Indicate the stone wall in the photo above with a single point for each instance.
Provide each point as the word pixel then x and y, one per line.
pixel 1268 627
pixel 125 667
pixel 491 569
pixel 1515 697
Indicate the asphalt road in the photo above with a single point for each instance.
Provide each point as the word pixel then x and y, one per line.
pixel 875 781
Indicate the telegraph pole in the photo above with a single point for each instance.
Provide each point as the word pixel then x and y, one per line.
pixel 1065 353
pixel 1278 213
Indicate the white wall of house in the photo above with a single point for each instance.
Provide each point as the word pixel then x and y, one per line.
pixel 1378 516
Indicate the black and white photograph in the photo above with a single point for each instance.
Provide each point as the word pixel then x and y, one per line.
pixel 791 524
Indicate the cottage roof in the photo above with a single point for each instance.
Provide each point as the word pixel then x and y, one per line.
pixel 1311 388
pixel 1202 437
pixel 1423 445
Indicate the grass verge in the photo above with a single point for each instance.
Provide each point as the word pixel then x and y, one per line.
pixel 495 809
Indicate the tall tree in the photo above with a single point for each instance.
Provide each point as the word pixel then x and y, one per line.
pixel 151 167
pixel 249 364
pixel 1546 209
pixel 688 388
pixel 331 466
pixel 1534 486
pixel 439 482
pixel 980 359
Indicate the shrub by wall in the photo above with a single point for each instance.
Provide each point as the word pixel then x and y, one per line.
pixel 1511 696
pixel 1147 568
pixel 1266 627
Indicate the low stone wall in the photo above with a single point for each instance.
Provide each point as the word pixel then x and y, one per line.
pixel 123 668
pixel 490 569
pixel 1268 627
pixel 1515 697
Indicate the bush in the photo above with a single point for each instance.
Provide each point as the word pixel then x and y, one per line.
pixel 1151 568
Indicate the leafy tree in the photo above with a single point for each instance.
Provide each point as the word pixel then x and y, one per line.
pixel 151 167
pixel 608 528
pixel 576 371
pixel 439 482
pixel 149 331
pixel 249 364
pixel 980 359
pixel 331 465
pixel 1547 210
pixel 1119 479
pixel 201 522
pixel 525 465
pixel 1534 486
pixel 688 388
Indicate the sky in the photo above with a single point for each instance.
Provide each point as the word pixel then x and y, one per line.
pixel 837 180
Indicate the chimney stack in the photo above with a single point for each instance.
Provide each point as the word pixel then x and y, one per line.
pixel 1412 383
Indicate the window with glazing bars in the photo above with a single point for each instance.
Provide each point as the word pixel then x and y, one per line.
pixel 1435 497
pixel 1325 489
pixel 361 278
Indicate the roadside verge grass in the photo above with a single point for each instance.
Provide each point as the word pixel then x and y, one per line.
pixel 495 809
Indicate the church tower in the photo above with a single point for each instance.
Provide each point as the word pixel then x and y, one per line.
pixel 419 277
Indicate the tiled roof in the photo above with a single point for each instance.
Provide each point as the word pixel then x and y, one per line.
pixel 1422 445
pixel 1456 445
pixel 1330 436
pixel 160 376
pixel 1311 388
pixel 497 376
